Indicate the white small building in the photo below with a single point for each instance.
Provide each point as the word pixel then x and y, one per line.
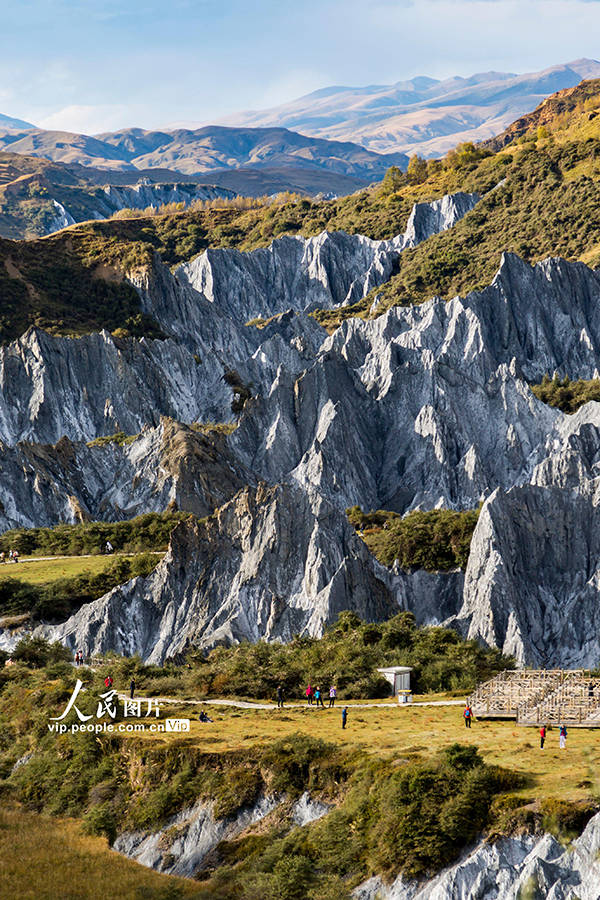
pixel 399 678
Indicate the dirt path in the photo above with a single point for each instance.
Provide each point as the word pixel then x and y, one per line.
pixel 247 704
pixel 30 559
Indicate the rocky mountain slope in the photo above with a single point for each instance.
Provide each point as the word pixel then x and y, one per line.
pixel 509 869
pixel 409 407
pixel 422 115
pixel 202 150
pixel 472 430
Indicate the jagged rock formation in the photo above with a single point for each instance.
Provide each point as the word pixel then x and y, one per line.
pixel 272 563
pixel 163 467
pixel 98 385
pixel 510 869
pixel 421 407
pixel 304 273
pixel 181 847
pixel 533 577
pixel 184 843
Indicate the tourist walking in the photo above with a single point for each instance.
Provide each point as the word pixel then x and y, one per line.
pixel 542 736
pixel 562 737
pixel 344 716
pixel 279 697
pixel 332 696
pixel 319 697
pixel 468 715
pixel 309 695
pixel 108 682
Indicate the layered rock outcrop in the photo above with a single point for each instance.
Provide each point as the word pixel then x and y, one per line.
pixel 272 563
pixel 332 269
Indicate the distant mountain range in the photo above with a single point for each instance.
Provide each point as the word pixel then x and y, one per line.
pixel 422 115
pixel 206 151
pixel 9 122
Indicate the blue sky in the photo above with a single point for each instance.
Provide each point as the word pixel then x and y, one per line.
pixel 94 66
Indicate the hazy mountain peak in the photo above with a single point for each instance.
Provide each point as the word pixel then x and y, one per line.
pixel 10 122
pixel 421 115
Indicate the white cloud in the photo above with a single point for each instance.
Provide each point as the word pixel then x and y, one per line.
pixel 88 119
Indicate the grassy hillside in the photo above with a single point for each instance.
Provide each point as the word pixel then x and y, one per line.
pixel 51 591
pixel 404 795
pixel 541 197
pixel 545 203
pixel 47 857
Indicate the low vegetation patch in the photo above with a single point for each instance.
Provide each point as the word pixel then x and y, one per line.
pixel 436 540
pixel 347 655
pixel 151 531
pixel 565 394
pixel 412 815
pixel 56 600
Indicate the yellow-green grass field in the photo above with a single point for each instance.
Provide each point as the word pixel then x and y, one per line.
pixel 46 858
pixel 42 857
pixel 44 571
pixel 399 732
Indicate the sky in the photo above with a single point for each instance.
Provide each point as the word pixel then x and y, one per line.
pixel 100 65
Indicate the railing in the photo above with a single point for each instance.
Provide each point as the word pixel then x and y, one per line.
pixel 504 694
pixel 575 701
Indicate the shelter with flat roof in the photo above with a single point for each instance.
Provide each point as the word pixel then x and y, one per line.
pixel 398 677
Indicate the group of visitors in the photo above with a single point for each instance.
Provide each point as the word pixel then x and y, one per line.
pixel 314 695
pixel 79 658
pixel 562 737
pixel 13 556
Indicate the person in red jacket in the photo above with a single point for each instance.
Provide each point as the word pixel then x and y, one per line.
pixel 468 715
pixel 542 736
pixel 309 695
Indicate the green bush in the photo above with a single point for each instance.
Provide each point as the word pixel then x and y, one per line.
pixel 436 540
pixel 565 394
pixel 151 531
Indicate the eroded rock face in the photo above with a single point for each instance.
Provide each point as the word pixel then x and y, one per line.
pixel 533 578
pixel 170 466
pixel 272 563
pixel 332 269
pixel 509 869
pixel 182 845
pixel 425 406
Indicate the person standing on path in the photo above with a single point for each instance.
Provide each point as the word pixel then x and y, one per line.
pixel 319 697
pixel 562 737
pixel 468 715
pixel 332 695
pixel 542 736
pixel 279 697
pixel 309 695
pixel 344 717
pixel 131 688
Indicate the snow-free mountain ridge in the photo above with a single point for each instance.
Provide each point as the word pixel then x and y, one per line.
pixel 422 115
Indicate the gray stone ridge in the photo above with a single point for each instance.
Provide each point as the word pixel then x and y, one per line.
pixel 510 869
pixel 422 407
